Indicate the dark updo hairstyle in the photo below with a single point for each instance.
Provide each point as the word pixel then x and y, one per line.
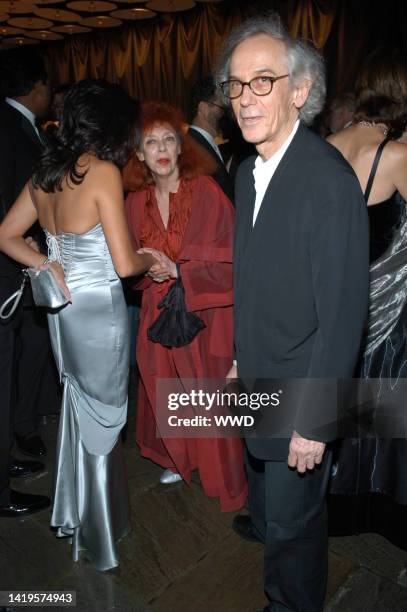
pixel 381 89
pixel 98 118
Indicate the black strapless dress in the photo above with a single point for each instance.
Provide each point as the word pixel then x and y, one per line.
pixel 384 218
pixel 369 479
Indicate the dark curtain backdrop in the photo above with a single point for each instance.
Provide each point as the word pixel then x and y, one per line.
pixel 163 57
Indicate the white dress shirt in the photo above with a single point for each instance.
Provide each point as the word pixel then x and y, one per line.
pixel 264 171
pixel 24 111
pixel 210 139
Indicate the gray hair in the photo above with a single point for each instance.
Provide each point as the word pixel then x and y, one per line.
pixel 303 61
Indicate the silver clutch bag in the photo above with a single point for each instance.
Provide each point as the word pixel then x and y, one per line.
pixel 46 291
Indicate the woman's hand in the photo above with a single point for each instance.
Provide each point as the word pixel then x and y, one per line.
pixel 58 273
pixel 32 243
pixel 164 269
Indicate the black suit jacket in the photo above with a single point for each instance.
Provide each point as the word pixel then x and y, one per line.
pixel 221 175
pixel 20 148
pixel 301 281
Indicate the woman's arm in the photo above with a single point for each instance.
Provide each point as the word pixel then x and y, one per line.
pixel 18 220
pixel 206 257
pixel 110 204
pixel 134 209
pixel 21 216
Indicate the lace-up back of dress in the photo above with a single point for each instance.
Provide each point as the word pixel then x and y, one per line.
pixel 88 250
pixel 60 248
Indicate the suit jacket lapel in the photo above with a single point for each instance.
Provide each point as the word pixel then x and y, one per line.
pixel 244 220
pixel 42 136
pixel 278 175
pixel 205 144
pixel 30 131
pixel 249 195
pixel 25 125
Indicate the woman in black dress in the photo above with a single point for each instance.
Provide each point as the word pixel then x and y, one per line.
pixel 370 474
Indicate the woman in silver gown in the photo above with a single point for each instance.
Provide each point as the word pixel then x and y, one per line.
pixel 76 194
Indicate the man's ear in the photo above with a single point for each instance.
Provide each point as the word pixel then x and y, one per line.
pixel 140 155
pixel 301 93
pixel 202 108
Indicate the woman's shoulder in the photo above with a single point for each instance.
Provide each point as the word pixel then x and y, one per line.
pixel 393 162
pixel 396 152
pixel 100 167
pixel 358 151
pixel 395 166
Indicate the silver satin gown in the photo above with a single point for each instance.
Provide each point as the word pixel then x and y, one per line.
pixel 90 341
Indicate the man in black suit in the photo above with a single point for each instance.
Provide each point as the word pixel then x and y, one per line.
pixel 206 111
pixel 24 341
pixel 301 293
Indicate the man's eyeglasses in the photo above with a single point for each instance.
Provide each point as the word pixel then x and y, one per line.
pixel 260 86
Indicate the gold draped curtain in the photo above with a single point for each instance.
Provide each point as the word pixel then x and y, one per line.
pixel 161 59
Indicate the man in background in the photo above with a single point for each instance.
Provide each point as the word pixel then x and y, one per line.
pixel 25 356
pixel 340 112
pixel 206 112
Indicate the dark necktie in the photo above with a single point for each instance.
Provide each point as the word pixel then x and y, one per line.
pixel 40 132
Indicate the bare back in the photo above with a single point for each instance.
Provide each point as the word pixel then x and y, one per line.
pixel 358 145
pixel 75 208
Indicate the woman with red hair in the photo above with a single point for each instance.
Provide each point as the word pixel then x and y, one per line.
pixel 176 211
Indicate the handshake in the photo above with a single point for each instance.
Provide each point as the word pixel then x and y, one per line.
pixel 163 269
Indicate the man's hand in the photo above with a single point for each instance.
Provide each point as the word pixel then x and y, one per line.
pixel 304 454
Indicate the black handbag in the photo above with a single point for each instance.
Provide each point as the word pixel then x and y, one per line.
pixel 175 326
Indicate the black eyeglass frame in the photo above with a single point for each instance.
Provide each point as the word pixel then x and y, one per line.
pixel 271 80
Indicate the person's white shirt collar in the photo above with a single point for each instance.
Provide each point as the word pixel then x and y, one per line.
pixel 22 109
pixel 264 170
pixel 209 138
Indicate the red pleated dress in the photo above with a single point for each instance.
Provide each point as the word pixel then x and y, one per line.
pixel 199 237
